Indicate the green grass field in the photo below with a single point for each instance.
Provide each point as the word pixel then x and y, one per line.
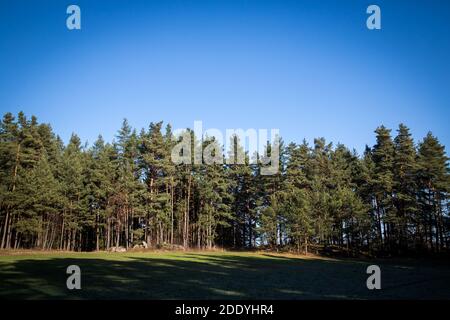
pixel 215 275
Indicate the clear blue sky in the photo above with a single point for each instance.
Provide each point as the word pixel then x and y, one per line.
pixel 309 68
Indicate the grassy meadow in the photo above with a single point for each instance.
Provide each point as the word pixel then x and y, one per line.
pixel 214 275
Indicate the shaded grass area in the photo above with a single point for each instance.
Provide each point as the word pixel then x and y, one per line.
pixel 215 275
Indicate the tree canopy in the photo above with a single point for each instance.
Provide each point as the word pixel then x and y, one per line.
pixel 391 199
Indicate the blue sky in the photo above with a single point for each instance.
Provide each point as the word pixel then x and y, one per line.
pixel 309 68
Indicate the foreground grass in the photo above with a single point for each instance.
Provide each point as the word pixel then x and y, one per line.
pixel 214 275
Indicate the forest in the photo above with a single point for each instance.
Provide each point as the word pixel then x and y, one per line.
pixel 390 200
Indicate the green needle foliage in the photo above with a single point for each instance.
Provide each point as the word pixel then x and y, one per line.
pixel 393 199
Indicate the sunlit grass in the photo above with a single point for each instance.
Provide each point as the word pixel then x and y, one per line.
pixel 213 275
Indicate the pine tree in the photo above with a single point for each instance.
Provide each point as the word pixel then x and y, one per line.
pixel 73 188
pixel 155 163
pixel 270 187
pixel 297 209
pixel 38 198
pixel 214 200
pixel 297 198
pixel 433 178
pixel 382 180
pixel 320 181
pixel 129 192
pixel 21 150
pixel 242 186
pixel 391 199
pixel 404 188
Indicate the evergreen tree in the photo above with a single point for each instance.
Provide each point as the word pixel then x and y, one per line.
pixel 405 189
pixel 73 190
pixel 392 199
pixel 433 178
pixel 244 190
pixel 382 184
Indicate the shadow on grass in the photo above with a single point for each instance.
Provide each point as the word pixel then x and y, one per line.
pixel 210 276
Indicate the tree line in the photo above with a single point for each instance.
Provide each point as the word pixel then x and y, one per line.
pixel 392 199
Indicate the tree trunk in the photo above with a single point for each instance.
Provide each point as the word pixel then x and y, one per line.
pixel 171 204
pixel 186 215
pixel 306 244
pixel 97 233
pixel 5 229
pixel 61 244
pixel 126 227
